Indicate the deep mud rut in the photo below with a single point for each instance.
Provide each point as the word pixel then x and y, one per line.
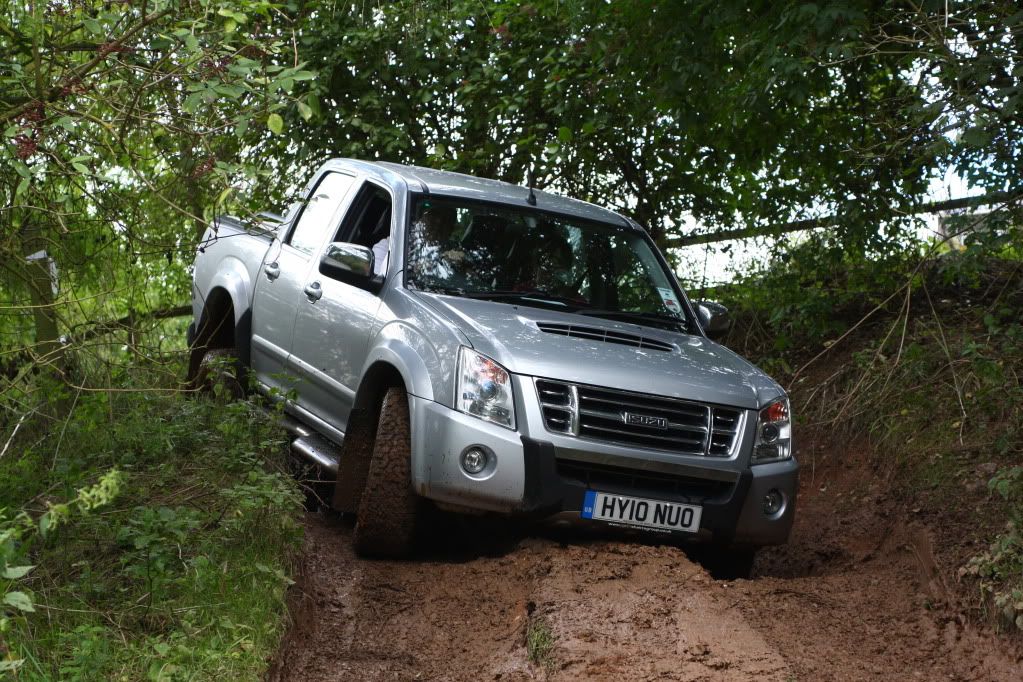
pixel 856 595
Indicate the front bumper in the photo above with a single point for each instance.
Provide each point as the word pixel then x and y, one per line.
pixel 542 474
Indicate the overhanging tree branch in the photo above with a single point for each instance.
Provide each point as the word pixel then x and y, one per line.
pixel 76 75
pixel 829 221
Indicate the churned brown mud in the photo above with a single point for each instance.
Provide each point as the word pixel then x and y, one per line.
pixel 859 593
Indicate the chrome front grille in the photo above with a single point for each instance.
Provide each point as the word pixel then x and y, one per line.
pixel 639 419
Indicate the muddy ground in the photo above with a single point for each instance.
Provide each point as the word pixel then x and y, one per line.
pixel 865 590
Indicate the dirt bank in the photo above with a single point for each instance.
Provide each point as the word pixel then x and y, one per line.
pixel 857 595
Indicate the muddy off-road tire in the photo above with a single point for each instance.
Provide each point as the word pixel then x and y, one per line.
pixel 389 509
pixel 220 366
pixel 731 563
pixel 356 454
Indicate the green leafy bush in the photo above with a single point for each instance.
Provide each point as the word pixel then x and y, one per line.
pixel 919 362
pixel 170 565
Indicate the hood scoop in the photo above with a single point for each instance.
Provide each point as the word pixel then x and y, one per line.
pixel 605 335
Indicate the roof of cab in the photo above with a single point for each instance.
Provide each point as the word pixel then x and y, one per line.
pixel 448 183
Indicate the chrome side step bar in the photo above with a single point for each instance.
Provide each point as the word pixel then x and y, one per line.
pixel 312 447
pixel 317 451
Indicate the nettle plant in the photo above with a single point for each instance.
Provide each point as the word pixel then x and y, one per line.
pixel 17 534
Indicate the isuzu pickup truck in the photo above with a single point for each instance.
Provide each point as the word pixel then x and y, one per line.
pixel 491 348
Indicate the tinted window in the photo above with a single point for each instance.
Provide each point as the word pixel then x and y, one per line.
pixel 318 216
pixel 529 257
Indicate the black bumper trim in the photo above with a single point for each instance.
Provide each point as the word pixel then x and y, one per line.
pixel 548 492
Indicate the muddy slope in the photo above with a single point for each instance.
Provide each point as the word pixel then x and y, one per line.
pixel 856 595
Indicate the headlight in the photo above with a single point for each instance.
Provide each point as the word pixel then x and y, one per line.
pixel 484 389
pixel 774 433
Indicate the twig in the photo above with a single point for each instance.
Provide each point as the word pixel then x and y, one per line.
pixel 951 362
pixel 909 280
pixel 851 329
pixel 13 433
pixel 63 429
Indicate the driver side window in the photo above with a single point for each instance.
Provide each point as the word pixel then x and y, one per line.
pixel 368 223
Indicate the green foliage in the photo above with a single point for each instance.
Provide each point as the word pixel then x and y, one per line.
pixel 540 642
pixel 922 364
pixel 998 572
pixel 16 539
pixel 121 132
pixel 756 113
pixel 172 565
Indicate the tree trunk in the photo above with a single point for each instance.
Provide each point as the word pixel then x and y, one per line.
pixel 36 274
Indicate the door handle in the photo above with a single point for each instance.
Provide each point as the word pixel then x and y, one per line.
pixel 272 270
pixel 313 291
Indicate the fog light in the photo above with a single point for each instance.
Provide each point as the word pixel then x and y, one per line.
pixel 474 460
pixel 774 502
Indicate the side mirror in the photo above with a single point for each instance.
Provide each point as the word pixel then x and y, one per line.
pixel 350 263
pixel 714 318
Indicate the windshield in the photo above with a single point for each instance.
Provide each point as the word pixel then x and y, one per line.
pixel 528 257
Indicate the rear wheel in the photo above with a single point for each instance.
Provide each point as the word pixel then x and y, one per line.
pixel 220 367
pixel 389 509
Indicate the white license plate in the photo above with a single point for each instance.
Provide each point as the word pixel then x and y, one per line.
pixel 637 511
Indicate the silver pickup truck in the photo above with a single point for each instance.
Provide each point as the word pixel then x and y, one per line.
pixel 491 348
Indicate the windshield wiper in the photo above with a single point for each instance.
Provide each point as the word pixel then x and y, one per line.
pixel 528 295
pixel 669 322
pixel 435 288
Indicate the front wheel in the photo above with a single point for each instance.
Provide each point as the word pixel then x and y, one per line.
pixel 731 563
pixel 389 509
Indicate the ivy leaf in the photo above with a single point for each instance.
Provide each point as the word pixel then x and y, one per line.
pixel 976 137
pixel 16 572
pixel 275 123
pixel 20 601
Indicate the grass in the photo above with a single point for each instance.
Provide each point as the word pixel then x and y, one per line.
pixel 177 569
pixel 540 643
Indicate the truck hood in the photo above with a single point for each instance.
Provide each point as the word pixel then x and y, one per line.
pixel 695 369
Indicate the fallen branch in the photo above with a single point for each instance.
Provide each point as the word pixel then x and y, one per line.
pixel 129 320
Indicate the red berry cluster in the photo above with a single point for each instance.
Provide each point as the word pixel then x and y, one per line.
pixel 72 87
pixel 34 114
pixel 24 146
pixel 204 167
pixel 211 67
pixel 252 51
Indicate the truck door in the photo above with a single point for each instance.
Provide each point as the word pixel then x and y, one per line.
pixel 336 321
pixel 278 291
